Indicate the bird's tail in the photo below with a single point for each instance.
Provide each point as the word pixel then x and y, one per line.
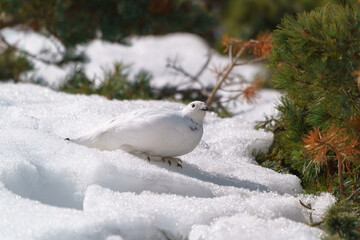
pixel 86 140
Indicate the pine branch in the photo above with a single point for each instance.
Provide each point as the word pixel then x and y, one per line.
pixel 305 206
pixel 308 206
pixel 218 85
pixel 294 66
pixel 315 224
pixel 194 78
pixel 256 60
pixel 28 54
pixel 351 173
pixel 357 191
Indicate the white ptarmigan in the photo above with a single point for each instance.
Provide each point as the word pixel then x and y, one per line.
pixel 158 134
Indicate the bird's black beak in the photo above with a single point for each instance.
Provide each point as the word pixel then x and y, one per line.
pixel 204 108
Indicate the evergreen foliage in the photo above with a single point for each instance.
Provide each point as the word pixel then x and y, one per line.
pixel 12 65
pixel 316 59
pixel 246 18
pixel 78 82
pixel 342 222
pixel 78 21
pixel 74 22
pixel 116 84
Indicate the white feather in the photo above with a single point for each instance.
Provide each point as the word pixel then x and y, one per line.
pixel 156 132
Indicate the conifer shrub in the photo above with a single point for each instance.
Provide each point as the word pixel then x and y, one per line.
pixel 78 21
pixel 12 65
pixel 246 18
pixel 316 61
pixel 342 222
pixel 116 84
pixel 73 22
pixel 78 82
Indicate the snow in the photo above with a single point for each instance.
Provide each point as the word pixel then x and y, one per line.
pixel 149 53
pixel 189 50
pixel 55 189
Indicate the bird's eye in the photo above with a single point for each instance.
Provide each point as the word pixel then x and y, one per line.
pixel 193 105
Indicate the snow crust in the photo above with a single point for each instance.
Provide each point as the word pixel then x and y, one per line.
pixel 55 189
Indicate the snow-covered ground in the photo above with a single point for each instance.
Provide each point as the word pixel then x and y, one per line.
pixel 150 53
pixel 55 189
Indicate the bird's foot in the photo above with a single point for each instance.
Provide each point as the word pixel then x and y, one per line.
pixel 173 161
pixel 176 162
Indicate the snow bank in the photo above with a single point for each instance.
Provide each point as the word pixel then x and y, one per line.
pixel 54 189
pixel 150 53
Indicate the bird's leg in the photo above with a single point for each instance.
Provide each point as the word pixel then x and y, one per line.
pixel 169 160
pixel 144 155
pixel 173 161
pixel 154 158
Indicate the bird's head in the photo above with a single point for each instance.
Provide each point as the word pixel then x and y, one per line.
pixel 196 111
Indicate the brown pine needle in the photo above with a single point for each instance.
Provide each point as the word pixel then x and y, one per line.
pixel 236 44
pixel 315 147
pixel 262 47
pixel 250 93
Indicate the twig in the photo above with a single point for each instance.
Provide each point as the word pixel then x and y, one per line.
pixel 340 170
pixel 231 90
pixel 2 38
pixel 180 70
pixel 305 206
pixel 232 98
pixel 205 65
pixel 195 77
pixel 315 224
pixel 256 60
pixel 216 88
pixel 353 194
pixel 297 67
pixel 169 92
pixel 56 43
pixel 350 173
pixel 230 52
pixel 310 213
